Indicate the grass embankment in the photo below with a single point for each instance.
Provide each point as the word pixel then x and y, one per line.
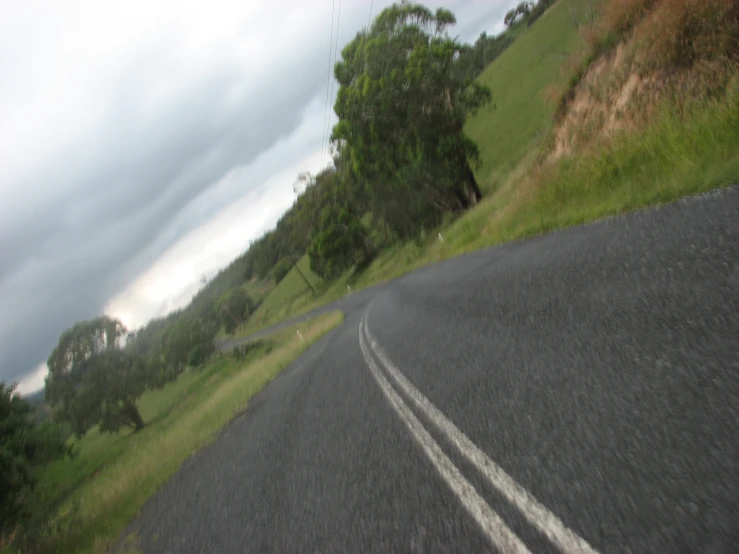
pixel 681 150
pixel 114 475
pixel 520 116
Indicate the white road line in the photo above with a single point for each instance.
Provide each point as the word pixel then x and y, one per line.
pixel 492 526
pixel 535 512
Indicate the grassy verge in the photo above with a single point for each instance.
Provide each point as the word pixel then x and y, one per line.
pixel 113 476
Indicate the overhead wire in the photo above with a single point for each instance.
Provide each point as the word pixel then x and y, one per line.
pixel 328 78
pixel 336 51
pixel 334 44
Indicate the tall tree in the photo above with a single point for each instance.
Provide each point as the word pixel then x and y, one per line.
pixel 93 380
pixel 402 106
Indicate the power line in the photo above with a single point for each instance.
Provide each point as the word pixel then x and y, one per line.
pixel 328 77
pixel 336 50
pixel 330 82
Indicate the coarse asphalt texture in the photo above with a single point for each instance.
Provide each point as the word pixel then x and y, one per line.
pixel 597 366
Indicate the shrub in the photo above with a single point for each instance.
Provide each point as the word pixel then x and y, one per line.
pixel 243 351
pixel 25 446
pixel 281 269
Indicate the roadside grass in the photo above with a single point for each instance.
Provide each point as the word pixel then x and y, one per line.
pixel 520 116
pixel 114 475
pixel 679 154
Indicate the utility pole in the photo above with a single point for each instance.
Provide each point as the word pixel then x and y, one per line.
pixel 303 276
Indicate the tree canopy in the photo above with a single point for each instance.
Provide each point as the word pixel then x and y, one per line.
pixel 526 11
pixel 234 307
pixel 402 106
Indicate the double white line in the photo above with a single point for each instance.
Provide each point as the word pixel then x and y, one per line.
pixel 490 522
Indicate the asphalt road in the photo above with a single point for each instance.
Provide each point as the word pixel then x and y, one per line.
pixel 573 392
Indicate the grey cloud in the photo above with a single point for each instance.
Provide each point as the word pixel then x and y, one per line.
pixel 93 217
pixel 71 252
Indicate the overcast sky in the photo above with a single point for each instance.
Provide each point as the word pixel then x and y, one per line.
pixel 144 144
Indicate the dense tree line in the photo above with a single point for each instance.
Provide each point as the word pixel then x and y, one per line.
pixel 475 58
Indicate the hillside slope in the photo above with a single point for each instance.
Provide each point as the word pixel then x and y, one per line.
pixel 520 115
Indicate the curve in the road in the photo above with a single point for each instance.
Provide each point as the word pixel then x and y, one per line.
pixel 574 392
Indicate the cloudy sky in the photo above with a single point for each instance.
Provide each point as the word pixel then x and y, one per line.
pixel 144 143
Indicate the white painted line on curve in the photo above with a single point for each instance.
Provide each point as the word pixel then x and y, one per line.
pixel 535 512
pixel 492 526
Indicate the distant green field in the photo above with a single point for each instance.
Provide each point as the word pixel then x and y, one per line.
pixel 520 115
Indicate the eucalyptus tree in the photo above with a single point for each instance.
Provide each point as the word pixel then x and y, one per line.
pixel 402 105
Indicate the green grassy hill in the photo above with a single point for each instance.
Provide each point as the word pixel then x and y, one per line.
pixel 520 115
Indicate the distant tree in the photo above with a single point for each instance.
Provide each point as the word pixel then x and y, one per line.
pixel 93 380
pixel 234 307
pixel 475 58
pixel 186 341
pixel 537 10
pixel 200 353
pixel 340 242
pixel 518 13
pixel 25 446
pixel 281 269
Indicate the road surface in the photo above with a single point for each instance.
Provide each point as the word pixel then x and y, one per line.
pixel 576 392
